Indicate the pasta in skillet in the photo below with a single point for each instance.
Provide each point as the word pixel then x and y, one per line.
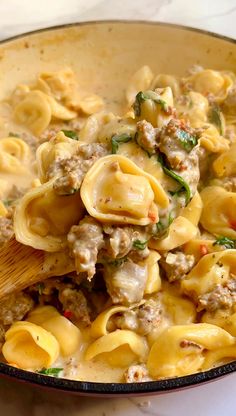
pixel 136 215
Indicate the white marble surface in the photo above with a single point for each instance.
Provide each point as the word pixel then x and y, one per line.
pixel 17 16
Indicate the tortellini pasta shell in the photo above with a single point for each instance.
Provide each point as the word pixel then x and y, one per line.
pixel 116 190
pixel 212 82
pixel 200 247
pixel 153 112
pixel 225 164
pixel 221 205
pixel 112 342
pixel 16 148
pixel 181 230
pixel 34 111
pixel 99 325
pixel 116 126
pixel 59 84
pixel 166 80
pixel 3 210
pixel 212 269
pixel 192 212
pixel 140 81
pixel 178 350
pixel 40 219
pixel 180 310
pixel 29 346
pixel 219 357
pixel 66 333
pixel 193 107
pixel 153 283
pixel 61 147
pixel 60 111
pixel 211 140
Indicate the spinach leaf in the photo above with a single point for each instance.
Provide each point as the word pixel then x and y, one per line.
pixel 118 139
pixel 225 241
pixel 215 117
pixel 11 134
pixel 187 140
pixel 148 95
pixel 177 178
pixel 140 245
pixel 71 134
pixel 50 371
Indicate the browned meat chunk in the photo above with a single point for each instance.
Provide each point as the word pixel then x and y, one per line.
pixel 85 240
pixel 176 141
pixel 222 297
pixel 126 282
pixel 120 241
pixel 142 319
pixel 71 171
pixel 177 265
pixel 75 306
pixel 146 136
pixel 6 230
pixel 15 307
pixel 136 374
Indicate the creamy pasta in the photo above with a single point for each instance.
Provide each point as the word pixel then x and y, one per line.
pixel 136 214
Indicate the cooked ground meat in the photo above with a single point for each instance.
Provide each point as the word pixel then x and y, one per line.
pixel 74 303
pixel 222 297
pixel 2 336
pixel 185 163
pixel 120 241
pixel 85 240
pixel 6 230
pixel 137 374
pixel 177 265
pixel 125 282
pixel 142 319
pixel 14 307
pixel 71 171
pixel 146 136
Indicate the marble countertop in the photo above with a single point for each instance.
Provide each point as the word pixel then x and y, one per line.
pixel 16 17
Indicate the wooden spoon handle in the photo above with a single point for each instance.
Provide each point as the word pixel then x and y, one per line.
pixel 20 267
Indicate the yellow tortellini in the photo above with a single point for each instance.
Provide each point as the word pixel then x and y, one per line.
pixel 221 205
pixel 30 346
pixel 211 140
pixel 165 80
pixel 153 106
pixel 34 111
pixel 119 348
pixel 208 81
pixel 140 81
pixel 61 147
pixel 40 219
pixel 66 333
pixel 116 190
pixel 180 350
pixel 181 230
pixel 225 164
pixel 194 107
pixel 211 270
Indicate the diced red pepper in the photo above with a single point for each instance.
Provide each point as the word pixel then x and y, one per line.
pixel 203 249
pixel 68 314
pixel 232 224
pixel 152 216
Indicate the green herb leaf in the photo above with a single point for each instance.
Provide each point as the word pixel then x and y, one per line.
pixel 159 227
pixel 140 245
pixel 50 371
pixel 118 262
pixel 11 134
pixel 225 241
pixel 8 202
pixel 215 117
pixel 71 134
pixel 170 218
pixel 187 140
pixel 40 288
pixel 117 139
pixel 177 178
pixel 148 95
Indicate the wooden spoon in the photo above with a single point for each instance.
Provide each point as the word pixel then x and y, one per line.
pixel 22 266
